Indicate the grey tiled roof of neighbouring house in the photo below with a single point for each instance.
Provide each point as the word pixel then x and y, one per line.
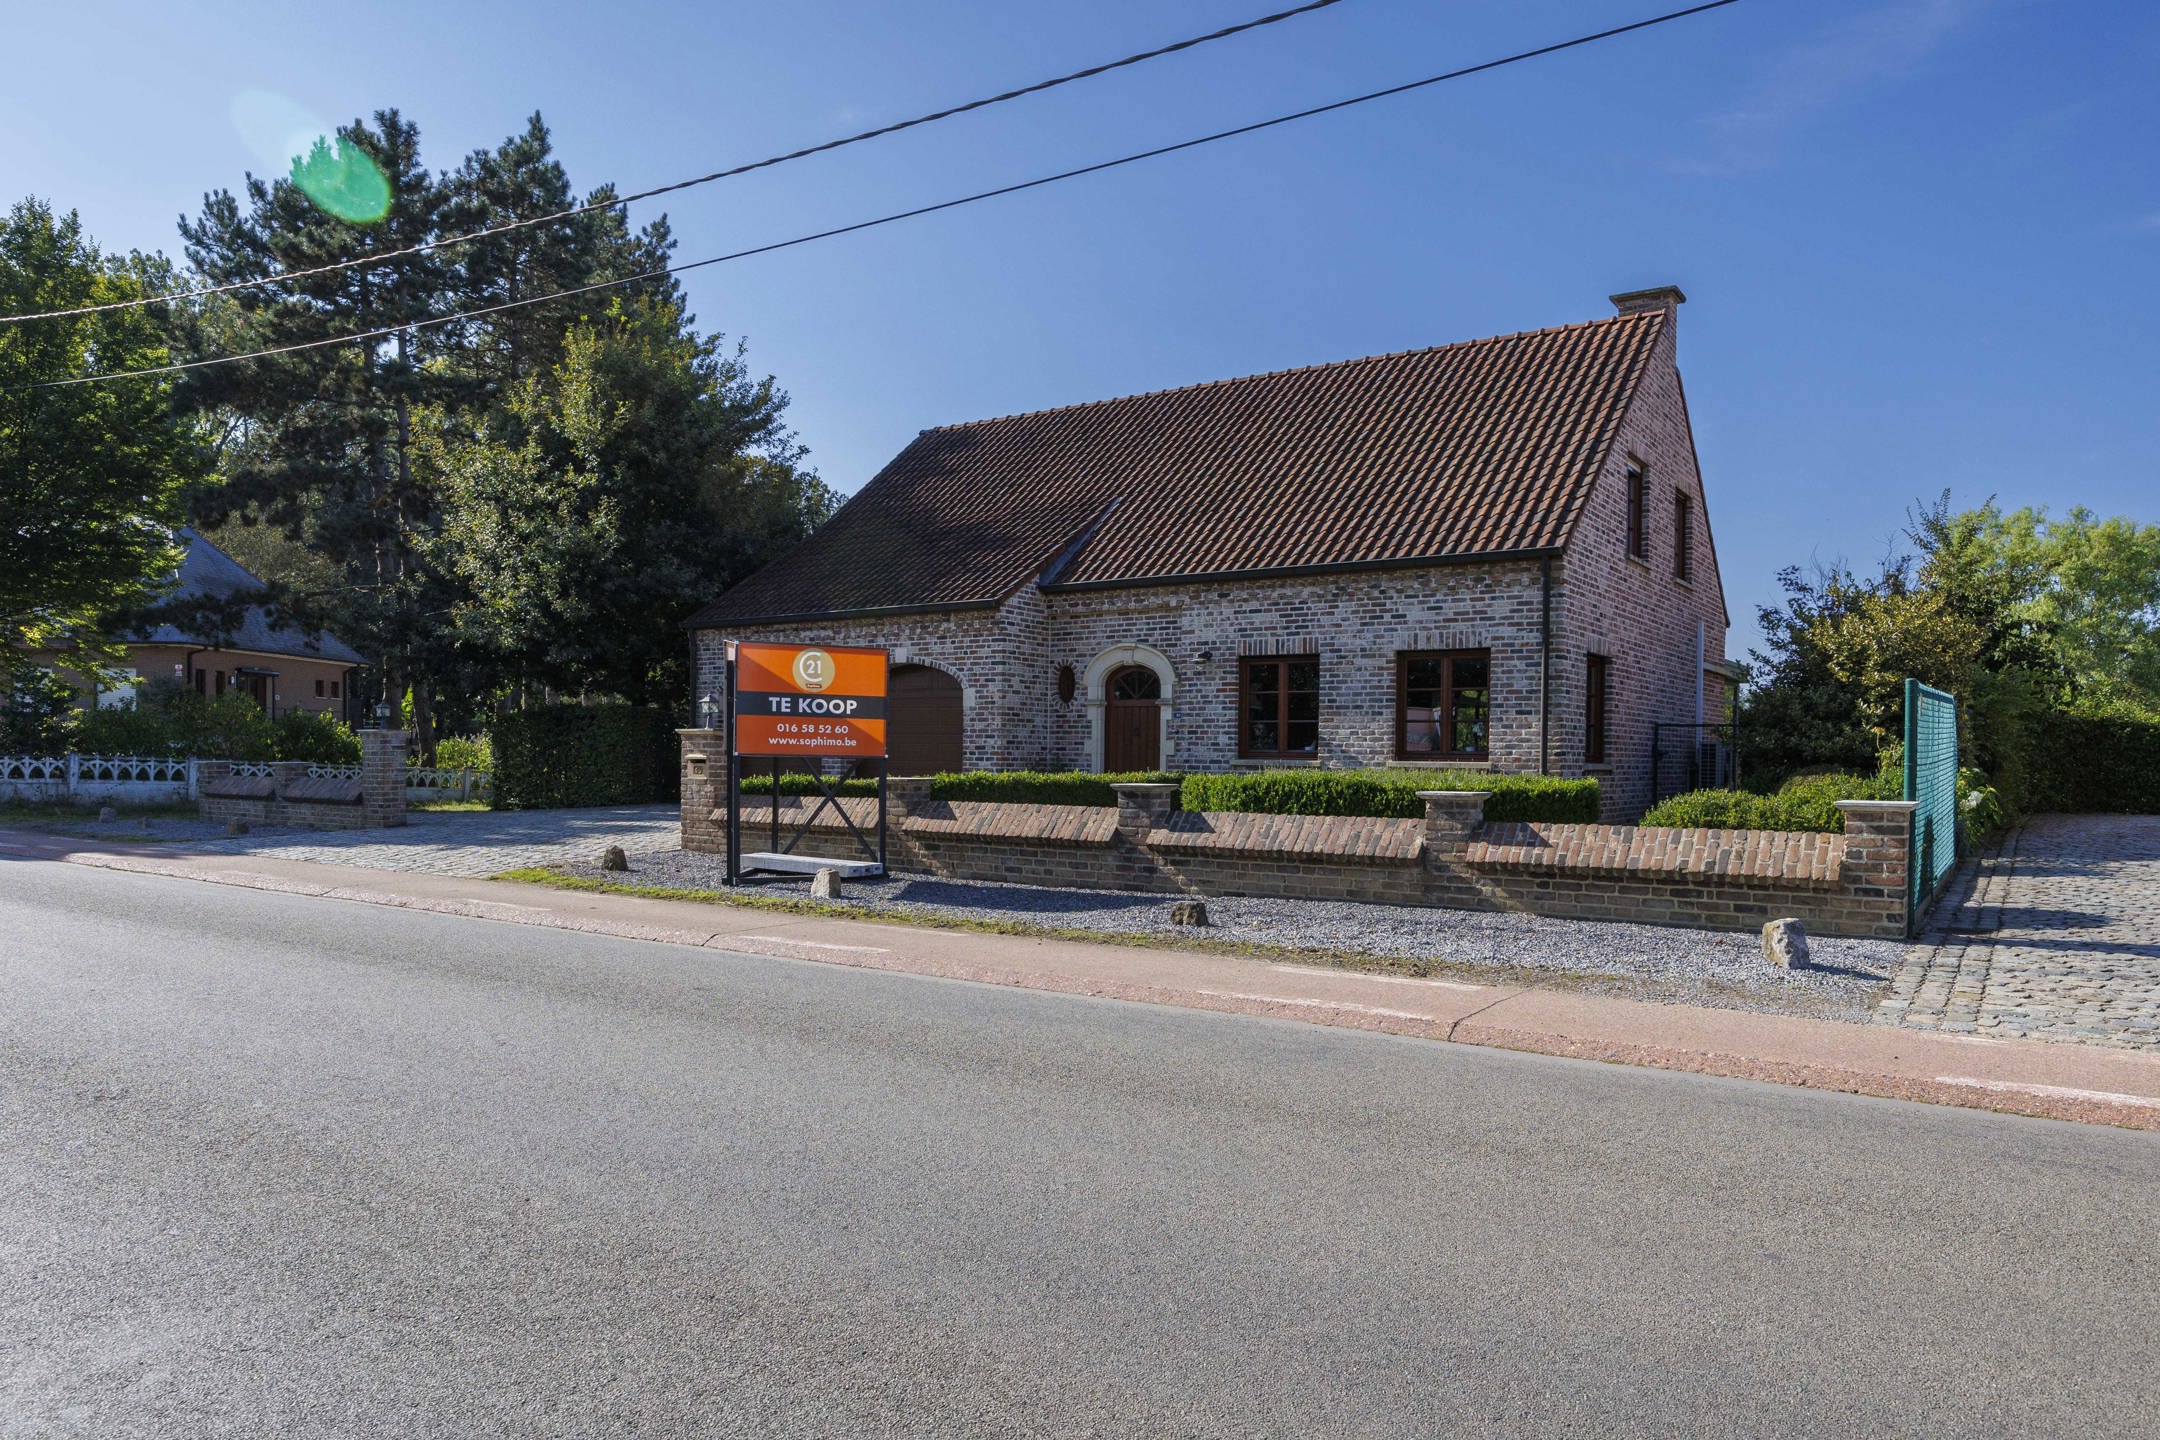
pixel 210 573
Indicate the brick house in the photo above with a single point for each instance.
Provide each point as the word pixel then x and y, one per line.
pixel 278 665
pixel 1493 554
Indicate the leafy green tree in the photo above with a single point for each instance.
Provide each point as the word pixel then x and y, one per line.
pixel 645 472
pixel 90 475
pixel 2077 596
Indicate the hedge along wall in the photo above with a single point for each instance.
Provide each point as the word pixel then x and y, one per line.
pixel 564 755
pixel 2094 764
pixel 1845 884
pixel 1387 793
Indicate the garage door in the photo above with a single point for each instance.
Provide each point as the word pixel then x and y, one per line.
pixel 924 729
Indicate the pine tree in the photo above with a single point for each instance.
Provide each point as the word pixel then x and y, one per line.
pixel 322 439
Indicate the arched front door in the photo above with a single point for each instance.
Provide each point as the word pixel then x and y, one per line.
pixel 1132 720
pixel 925 725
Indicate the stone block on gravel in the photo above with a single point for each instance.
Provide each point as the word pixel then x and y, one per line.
pixel 1784 944
pixel 613 858
pixel 1189 912
pixel 825 885
pixel 236 827
pixel 106 815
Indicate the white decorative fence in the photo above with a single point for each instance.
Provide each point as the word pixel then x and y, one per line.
pixel 96 779
pixel 429 782
pixel 144 779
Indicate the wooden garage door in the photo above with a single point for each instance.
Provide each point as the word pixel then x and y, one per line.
pixel 923 733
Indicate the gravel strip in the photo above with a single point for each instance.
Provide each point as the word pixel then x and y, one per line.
pixel 1696 967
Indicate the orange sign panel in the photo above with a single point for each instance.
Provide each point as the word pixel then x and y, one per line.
pixel 809 700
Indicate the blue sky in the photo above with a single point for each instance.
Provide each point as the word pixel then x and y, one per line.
pixel 1920 237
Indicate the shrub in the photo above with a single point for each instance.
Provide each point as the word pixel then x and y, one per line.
pixel 165 719
pixel 1041 787
pixel 1805 802
pixel 305 735
pixel 563 755
pixel 1390 793
pixel 460 752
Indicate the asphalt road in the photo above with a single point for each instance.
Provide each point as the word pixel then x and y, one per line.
pixel 280 1166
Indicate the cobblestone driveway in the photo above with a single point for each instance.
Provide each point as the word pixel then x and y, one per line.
pixel 465 842
pixel 2055 937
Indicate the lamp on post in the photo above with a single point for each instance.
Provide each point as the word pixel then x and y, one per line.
pixel 708 713
pixel 382 714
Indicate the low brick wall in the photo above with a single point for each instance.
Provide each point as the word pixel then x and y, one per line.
pixel 288 796
pixel 1849 884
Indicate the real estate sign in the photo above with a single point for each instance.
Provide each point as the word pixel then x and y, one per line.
pixel 809 700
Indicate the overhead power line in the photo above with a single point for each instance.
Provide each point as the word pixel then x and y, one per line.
pixel 511 225
pixel 654 274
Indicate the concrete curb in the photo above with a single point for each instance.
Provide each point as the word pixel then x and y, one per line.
pixel 2049 1081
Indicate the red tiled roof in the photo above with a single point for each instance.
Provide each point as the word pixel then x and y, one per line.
pixel 1476 449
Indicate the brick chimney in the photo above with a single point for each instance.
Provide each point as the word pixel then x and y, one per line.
pixel 1662 297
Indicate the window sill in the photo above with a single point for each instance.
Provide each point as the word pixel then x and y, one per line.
pixel 1442 764
pixel 1642 560
pixel 1275 762
pixel 1683 582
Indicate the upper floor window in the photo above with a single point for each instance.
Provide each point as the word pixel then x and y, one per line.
pixel 1443 705
pixel 1638 502
pixel 1683 529
pixel 1279 707
pixel 1597 693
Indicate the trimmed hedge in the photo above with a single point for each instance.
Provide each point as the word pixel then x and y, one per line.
pixel 556 756
pixel 1007 787
pixel 2096 764
pixel 1041 787
pixel 1806 802
pixel 794 782
pixel 1390 793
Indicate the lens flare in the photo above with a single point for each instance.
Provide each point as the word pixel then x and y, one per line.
pixel 343 179
pixel 337 175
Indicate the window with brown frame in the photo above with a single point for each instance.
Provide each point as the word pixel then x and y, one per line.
pixel 1278 707
pixel 1638 505
pixel 334 690
pixel 1597 690
pixel 318 689
pixel 1683 553
pixel 1443 705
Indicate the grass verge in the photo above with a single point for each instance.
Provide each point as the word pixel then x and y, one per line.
pixel 40 812
pixel 1417 966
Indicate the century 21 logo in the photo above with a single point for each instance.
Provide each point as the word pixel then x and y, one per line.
pixel 815 670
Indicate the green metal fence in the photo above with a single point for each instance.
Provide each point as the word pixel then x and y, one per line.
pixel 1931 769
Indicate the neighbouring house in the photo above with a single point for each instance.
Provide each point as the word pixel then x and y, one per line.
pixel 1493 554
pixel 277 664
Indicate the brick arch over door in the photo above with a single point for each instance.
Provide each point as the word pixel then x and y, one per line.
pixel 927 729
pixel 1096 685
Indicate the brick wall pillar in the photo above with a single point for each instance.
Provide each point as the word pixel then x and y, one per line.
pixel 1142 807
pixel 1878 860
pixel 1451 818
pixel 382 776
pixel 905 796
pixel 704 790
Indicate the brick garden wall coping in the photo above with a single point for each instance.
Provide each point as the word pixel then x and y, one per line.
pixel 1705 856
pixel 1850 884
pixel 1363 839
pixel 287 796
